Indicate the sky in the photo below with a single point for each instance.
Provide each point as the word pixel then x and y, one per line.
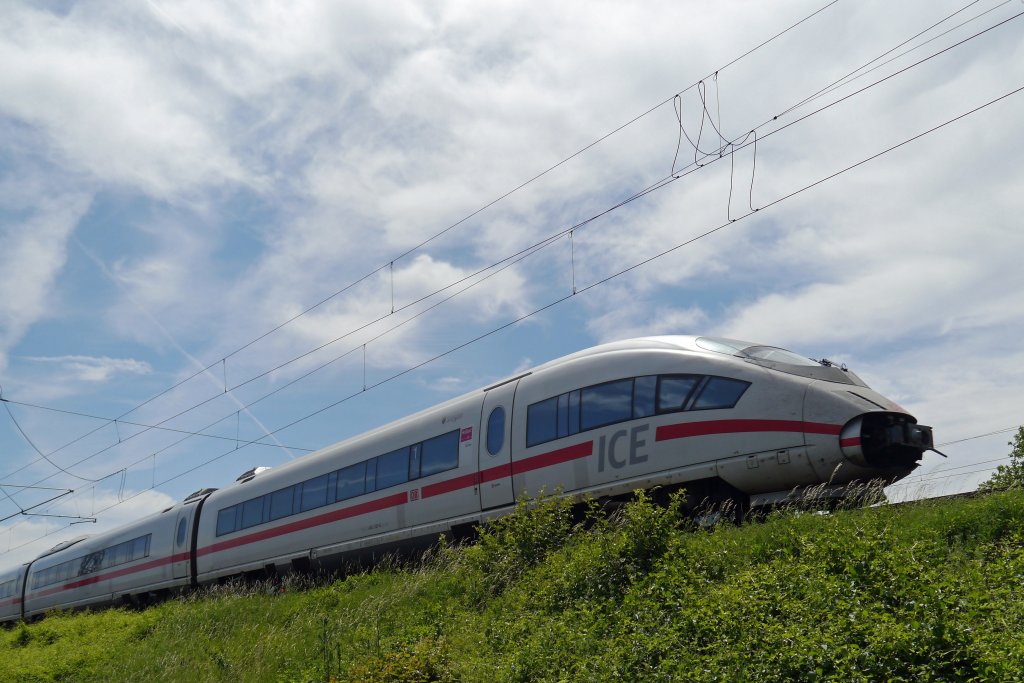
pixel 313 218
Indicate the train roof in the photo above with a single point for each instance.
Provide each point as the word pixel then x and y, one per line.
pixel 669 342
pixel 61 546
pixel 699 345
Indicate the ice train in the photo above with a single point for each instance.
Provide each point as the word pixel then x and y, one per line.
pixel 723 418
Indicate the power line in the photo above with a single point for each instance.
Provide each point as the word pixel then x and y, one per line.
pixel 733 145
pixel 147 427
pixel 599 283
pixel 978 436
pixel 543 244
pixel 390 263
pixel 851 76
pixel 36 448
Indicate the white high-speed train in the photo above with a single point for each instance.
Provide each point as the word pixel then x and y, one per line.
pixel 724 419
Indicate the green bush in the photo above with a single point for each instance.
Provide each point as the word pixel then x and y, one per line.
pixel 1011 475
pixel 925 592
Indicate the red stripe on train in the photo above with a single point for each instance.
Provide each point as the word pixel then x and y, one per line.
pixel 449 485
pixel 124 571
pixel 852 441
pixel 377 505
pixel 580 450
pixel 561 455
pixel 687 429
pixel 556 457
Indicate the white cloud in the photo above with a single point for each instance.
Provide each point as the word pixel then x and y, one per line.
pixel 95 369
pixel 34 249
pixel 108 112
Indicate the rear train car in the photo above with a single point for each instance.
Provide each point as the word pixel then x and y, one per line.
pixel 12 583
pixel 123 565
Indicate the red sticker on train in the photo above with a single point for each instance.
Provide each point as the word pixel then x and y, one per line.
pixel 467 434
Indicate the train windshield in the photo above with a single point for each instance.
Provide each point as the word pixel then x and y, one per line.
pixel 779 359
pixel 770 353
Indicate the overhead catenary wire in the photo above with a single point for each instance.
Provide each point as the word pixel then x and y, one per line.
pixel 653 187
pixel 598 283
pixel 36 448
pixel 854 75
pixel 132 423
pixel 935 474
pixel 437 235
pixel 742 144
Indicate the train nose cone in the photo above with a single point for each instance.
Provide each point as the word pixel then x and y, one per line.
pixel 886 441
pixel 875 437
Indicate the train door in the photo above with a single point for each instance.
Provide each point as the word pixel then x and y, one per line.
pixel 495 448
pixel 180 552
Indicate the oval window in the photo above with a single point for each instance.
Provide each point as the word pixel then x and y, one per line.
pixel 181 530
pixel 496 431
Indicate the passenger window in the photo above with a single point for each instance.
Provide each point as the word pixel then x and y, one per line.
pixel 414 461
pixel 720 392
pixel 226 520
pixel 644 389
pixel 181 530
pixel 371 475
pixel 673 390
pixel 90 563
pixel 281 503
pixel 441 453
pixel 117 555
pixel 252 514
pixel 496 431
pixel 332 487
pixel 352 481
pixel 314 493
pixel 393 468
pixel 540 422
pixel 562 416
pixel 606 404
pixel 139 547
pixel 574 412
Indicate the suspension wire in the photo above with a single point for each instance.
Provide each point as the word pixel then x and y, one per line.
pixel 115 421
pixel 593 285
pixel 572 259
pixel 454 225
pixel 660 183
pixel 699 84
pixel 657 186
pixel 663 182
pixel 26 511
pixel 851 75
pixel 978 436
pixel 36 448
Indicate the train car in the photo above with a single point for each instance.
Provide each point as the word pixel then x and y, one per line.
pixel 728 420
pixel 409 480
pixel 12 581
pixel 722 418
pixel 123 565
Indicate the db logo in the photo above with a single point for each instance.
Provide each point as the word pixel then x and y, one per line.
pixel 414 494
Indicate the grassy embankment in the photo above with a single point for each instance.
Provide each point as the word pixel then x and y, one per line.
pixel 916 593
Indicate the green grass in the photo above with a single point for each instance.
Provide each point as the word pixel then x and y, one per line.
pixel 929 592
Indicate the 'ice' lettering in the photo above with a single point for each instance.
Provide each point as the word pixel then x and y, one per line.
pixel 606 448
